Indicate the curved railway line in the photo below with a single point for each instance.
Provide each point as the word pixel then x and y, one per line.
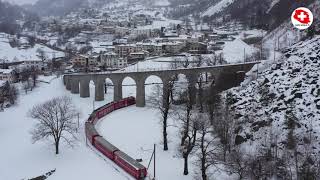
pixel 124 161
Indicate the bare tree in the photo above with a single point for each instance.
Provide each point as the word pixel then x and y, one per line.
pixel 189 130
pixel 55 121
pixel 199 63
pixel 237 163
pixel 163 102
pixel 9 93
pixel 41 54
pixel 26 86
pixel 34 76
pixel 208 151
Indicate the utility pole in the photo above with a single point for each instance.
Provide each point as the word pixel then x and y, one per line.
pixel 261 44
pixel 274 51
pixel 244 55
pixel 78 121
pixel 154 161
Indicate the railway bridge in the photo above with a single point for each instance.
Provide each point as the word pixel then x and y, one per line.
pixel 79 83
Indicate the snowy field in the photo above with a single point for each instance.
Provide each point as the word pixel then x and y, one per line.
pixel 20 159
pixel 15 54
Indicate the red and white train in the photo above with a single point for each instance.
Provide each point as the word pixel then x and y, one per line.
pixel 128 164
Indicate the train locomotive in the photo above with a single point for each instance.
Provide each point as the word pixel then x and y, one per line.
pixel 127 163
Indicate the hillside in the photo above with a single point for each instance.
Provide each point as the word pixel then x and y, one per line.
pixel 281 109
pixel 56 7
pixel 266 14
pixel 62 7
pixel 11 15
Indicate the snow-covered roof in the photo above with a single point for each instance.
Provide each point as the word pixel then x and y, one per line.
pixel 2 83
pixel 6 71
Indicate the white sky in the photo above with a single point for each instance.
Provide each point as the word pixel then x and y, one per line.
pixel 21 2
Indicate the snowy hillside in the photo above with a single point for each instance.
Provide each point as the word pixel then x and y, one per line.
pixel 286 34
pixel 287 91
pixel 13 54
pixel 217 8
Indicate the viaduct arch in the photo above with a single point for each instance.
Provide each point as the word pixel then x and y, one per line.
pixel 79 83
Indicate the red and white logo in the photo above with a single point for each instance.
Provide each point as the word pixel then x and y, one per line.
pixel 302 18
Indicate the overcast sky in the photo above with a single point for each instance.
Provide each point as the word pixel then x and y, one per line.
pixel 21 2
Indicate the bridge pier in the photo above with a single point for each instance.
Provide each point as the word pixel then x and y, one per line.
pixel 75 87
pixel 99 90
pixel 117 90
pixel 192 81
pixel 64 80
pixel 84 88
pixel 140 99
pixel 68 83
pixel 165 93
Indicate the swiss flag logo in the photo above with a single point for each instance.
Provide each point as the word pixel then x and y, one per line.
pixel 302 18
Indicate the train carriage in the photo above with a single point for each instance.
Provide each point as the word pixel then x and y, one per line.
pixel 105 147
pixel 131 101
pixel 91 132
pixel 124 161
pixel 130 165
pixel 106 109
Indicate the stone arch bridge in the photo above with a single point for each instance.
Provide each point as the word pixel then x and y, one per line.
pixel 79 83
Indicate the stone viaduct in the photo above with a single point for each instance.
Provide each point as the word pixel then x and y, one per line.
pixel 79 83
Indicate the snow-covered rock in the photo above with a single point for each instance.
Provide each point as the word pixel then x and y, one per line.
pixel 288 89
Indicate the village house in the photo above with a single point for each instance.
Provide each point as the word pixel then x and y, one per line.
pixel 197 48
pixel 35 64
pixel 8 75
pixel 124 50
pixel 173 47
pixel 79 60
pixel 137 56
pixel 111 60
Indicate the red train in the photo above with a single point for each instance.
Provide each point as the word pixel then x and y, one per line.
pixel 130 165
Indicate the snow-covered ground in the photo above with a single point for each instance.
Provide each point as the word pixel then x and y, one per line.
pixel 21 159
pixel 162 3
pixel 15 54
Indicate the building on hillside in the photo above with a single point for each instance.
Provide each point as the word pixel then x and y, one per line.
pixel 158 50
pixel 93 61
pixel 112 60
pixel 36 64
pixel 141 32
pixel 197 48
pixel 124 50
pixel 79 60
pixel 122 31
pixel 137 56
pixel 173 47
pixel 8 75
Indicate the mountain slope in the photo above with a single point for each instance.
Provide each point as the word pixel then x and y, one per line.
pixel 220 6
pixel 62 7
pixel 10 15
pixel 57 7
pixel 266 14
pixel 284 102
